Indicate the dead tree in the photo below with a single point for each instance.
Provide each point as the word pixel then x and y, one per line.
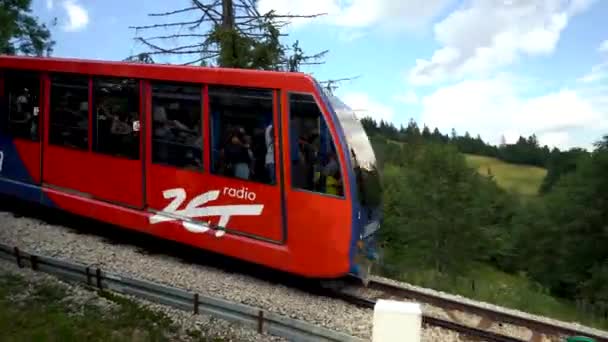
pixel 331 85
pixel 227 33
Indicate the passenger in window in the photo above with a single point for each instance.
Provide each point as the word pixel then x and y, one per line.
pixel 331 172
pixel 194 141
pixel 269 158
pixel 22 117
pixel 237 157
pixel 121 133
pixel 179 125
pixel 104 123
pixel 162 133
pixel 160 120
pixel 222 166
pixel 23 101
pixel 309 158
pixel 247 145
pixel 120 126
pixel 196 151
pixel 83 115
pixel 258 147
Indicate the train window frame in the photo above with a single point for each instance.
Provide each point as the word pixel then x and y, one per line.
pixel 49 126
pixel 274 97
pixel 289 147
pixel 135 126
pixel 201 129
pixel 5 125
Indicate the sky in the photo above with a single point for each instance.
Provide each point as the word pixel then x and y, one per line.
pixel 489 67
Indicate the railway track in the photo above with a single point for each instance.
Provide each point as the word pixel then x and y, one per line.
pixel 462 329
pixel 540 331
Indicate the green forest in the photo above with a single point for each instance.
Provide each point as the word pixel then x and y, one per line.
pixel 451 227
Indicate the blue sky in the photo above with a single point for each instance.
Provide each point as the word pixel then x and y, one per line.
pixel 490 67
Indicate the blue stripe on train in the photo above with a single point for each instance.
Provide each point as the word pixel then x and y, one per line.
pixel 356 206
pixel 15 179
pixel 28 192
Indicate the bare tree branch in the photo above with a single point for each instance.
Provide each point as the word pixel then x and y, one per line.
pixel 198 60
pixel 173 12
pixel 288 16
pixel 172 50
pixel 183 23
pixel 340 80
pixel 330 85
pixel 140 58
pixel 189 35
pixel 248 8
pixel 187 52
pixel 315 56
pixel 252 6
pixel 209 9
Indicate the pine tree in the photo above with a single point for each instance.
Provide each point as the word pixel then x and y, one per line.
pixel 426 133
pixel 20 32
pixel 227 33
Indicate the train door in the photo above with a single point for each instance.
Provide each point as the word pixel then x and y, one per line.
pixel 20 147
pixel 92 140
pixel 316 205
pixel 211 160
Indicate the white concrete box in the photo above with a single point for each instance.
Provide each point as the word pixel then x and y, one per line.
pixel 396 321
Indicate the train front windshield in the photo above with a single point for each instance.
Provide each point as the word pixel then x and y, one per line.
pixel 365 165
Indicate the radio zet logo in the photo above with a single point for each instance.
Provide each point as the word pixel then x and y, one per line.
pixel 197 207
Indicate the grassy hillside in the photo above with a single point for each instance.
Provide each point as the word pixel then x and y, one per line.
pixel 522 179
pixel 486 283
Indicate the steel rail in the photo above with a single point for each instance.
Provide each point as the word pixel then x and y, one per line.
pixel 433 321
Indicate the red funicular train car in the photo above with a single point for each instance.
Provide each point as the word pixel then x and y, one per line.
pixel 262 166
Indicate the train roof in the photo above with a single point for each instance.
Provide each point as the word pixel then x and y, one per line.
pixel 263 78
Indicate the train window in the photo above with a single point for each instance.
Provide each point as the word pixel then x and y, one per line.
pixel 242 135
pixel 69 116
pixel 315 165
pixel 177 138
pixel 116 117
pixel 22 91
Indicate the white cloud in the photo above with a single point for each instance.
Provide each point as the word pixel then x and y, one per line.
pixel 495 106
pixel 363 105
pixel 484 35
pixel 359 13
pixel 49 4
pixel 350 35
pixel 603 46
pixel 555 139
pixel 78 18
pixel 598 72
pixel 409 97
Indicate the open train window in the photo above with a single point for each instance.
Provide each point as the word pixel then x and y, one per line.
pixel 69 116
pixel 242 135
pixel 315 165
pixel 116 117
pixel 22 104
pixel 177 138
